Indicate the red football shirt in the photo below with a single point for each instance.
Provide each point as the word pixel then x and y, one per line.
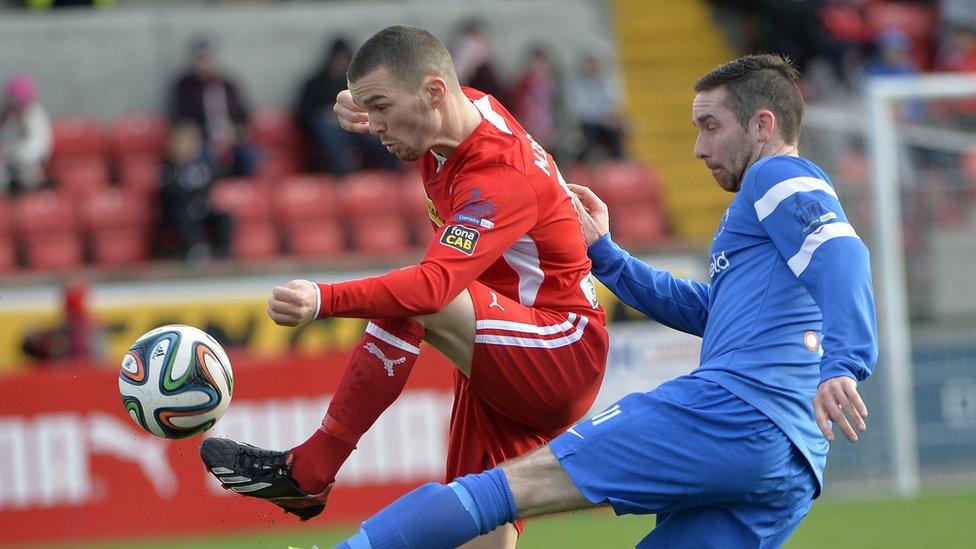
pixel 503 216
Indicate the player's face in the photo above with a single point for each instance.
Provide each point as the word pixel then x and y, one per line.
pixel 724 145
pixel 401 118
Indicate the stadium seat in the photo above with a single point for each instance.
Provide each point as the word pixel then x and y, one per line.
pixel 412 195
pixel 113 209
pixel 275 164
pixel 371 194
pixel 315 239
pixel 639 226
pixel 8 254
pixel 116 248
pixel 6 217
pixel 247 200
pixel 306 198
pixel 81 175
pixel 620 184
pixel 380 235
pixel 255 241
pixel 140 174
pixel 43 212
pixel 53 251
pixel 275 129
pixel 138 134
pixel 77 136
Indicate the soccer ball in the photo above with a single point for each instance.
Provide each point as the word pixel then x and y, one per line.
pixel 176 381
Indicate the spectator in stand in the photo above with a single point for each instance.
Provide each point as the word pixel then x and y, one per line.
pixel 959 55
pixel 595 99
pixel 25 136
pixel 892 57
pixel 188 177
pixel 79 338
pixel 337 151
pixel 474 60
pixel 213 101
pixel 537 97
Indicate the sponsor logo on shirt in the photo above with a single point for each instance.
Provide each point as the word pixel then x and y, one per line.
pixel 718 264
pixel 479 210
pixel 471 220
pixel 461 238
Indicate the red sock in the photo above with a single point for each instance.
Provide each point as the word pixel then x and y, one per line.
pixel 377 371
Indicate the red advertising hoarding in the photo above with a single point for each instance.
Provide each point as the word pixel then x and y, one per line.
pixel 73 466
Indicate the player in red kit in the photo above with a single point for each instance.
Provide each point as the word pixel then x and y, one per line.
pixel 503 290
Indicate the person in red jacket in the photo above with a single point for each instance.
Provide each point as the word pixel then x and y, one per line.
pixel 503 289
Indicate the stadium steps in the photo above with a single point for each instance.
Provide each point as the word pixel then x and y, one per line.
pixel 664 47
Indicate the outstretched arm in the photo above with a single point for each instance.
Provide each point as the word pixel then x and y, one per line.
pixel 675 302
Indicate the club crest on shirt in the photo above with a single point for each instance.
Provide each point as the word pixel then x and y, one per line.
pixel 812 214
pixel 463 239
pixel 432 212
pixel 477 211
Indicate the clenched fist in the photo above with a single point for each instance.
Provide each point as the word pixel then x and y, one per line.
pixel 293 304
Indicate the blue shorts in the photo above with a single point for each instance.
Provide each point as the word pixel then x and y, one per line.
pixel 716 471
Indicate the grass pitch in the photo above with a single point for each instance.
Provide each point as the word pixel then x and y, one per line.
pixel 933 521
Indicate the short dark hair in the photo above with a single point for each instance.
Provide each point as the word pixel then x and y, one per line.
pixel 758 82
pixel 409 53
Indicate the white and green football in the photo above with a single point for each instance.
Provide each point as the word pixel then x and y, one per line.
pixel 176 381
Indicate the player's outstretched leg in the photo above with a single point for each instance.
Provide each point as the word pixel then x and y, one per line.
pixel 300 479
pixel 264 474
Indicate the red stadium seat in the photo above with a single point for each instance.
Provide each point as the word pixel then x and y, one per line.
pixel 6 217
pixel 275 129
pixel 43 212
pixel 255 241
pixel 115 248
pixel 306 198
pixel 48 252
pixel 248 201
pixel 639 226
pixel 620 184
pixel 140 174
pixel 316 239
pixel 77 136
pixel 78 176
pixel 380 235
pixel 138 134
pixel 8 254
pixel 371 194
pixel 115 209
pixel 275 164
pixel 412 195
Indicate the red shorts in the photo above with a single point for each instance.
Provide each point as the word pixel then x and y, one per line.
pixel 534 373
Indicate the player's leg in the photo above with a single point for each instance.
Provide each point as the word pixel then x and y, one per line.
pixel 438 515
pixel 298 480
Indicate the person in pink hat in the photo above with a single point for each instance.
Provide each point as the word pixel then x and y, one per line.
pixel 25 135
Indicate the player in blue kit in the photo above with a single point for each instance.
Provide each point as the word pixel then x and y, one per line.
pixel 733 454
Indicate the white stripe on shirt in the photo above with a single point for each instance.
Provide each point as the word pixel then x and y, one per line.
pixel 798 263
pixel 786 188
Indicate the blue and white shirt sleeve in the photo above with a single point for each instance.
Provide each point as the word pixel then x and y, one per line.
pixel 802 215
pixel 675 302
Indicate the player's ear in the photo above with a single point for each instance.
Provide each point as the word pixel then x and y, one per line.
pixel 763 125
pixel 435 90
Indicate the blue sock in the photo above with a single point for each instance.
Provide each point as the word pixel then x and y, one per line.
pixel 436 515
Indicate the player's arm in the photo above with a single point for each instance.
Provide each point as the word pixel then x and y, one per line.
pixel 675 302
pixel 807 223
pixel 494 206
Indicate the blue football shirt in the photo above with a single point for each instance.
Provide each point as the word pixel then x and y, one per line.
pixel 790 303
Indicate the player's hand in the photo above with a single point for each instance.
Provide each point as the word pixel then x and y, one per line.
pixel 592 212
pixel 293 304
pixel 837 400
pixel 352 117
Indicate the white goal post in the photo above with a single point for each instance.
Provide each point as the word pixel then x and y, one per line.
pixel 895 334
